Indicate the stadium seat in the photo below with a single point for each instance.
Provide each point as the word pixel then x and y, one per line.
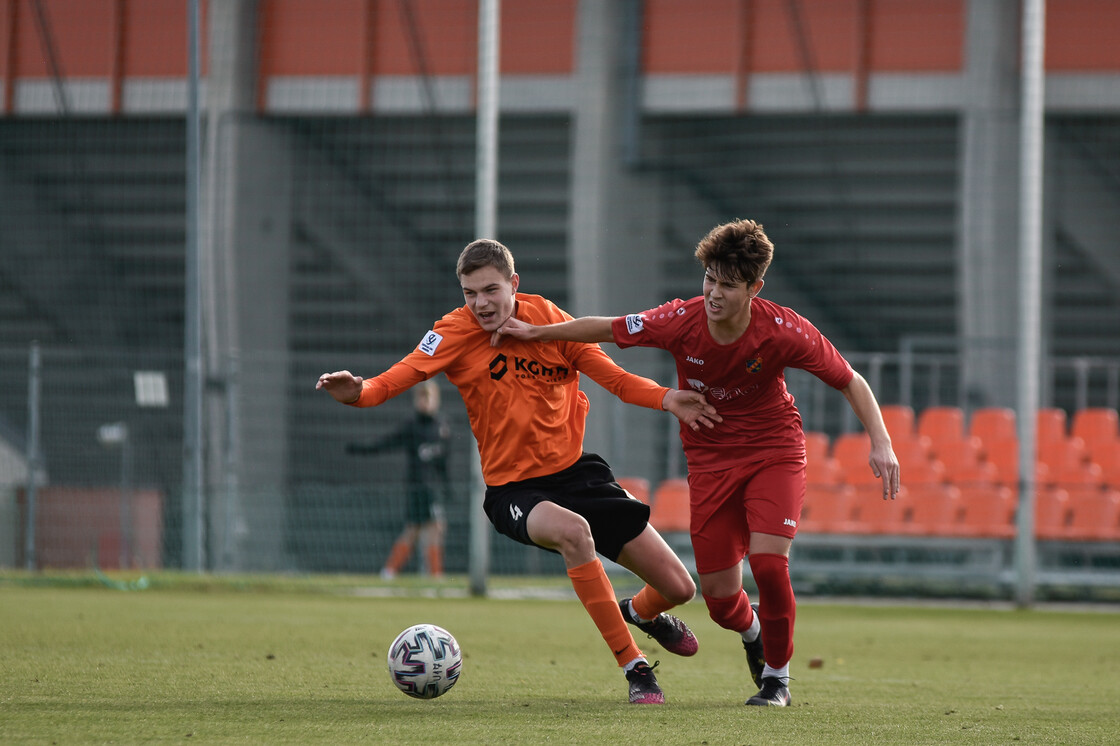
pixel 1051 424
pixel 636 486
pixel 991 424
pixel 899 420
pixel 670 511
pixel 826 509
pixel 1096 424
pixel 871 514
pixel 984 512
pixel 941 425
pixel 1004 455
pixel 929 509
pixel 816 446
pixel 1063 454
pixel 1094 514
pixel 915 463
pixel 1069 474
pixel 851 451
pixel 823 471
pixel 1052 514
pixel 963 462
pixel 1107 456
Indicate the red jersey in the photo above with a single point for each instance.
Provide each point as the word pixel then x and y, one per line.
pixel 523 399
pixel 744 381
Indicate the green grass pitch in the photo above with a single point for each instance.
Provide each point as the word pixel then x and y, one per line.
pixel 259 661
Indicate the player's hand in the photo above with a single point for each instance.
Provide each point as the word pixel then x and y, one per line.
pixel 343 385
pixel 884 464
pixel 691 408
pixel 512 327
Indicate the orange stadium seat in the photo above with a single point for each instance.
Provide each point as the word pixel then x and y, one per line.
pixel 636 486
pixel 826 509
pixel 1094 514
pixel 816 446
pixel 929 509
pixel 1052 513
pixel 985 512
pixel 851 451
pixel 1051 424
pixel 1061 455
pixel 670 511
pixel 823 472
pixel 941 425
pixel 1004 455
pixel 899 420
pixel 963 462
pixel 1107 456
pixel 991 424
pixel 1096 424
pixel 871 514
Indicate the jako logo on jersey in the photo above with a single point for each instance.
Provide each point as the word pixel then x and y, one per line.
pixel 525 368
pixel 754 365
pixel 634 323
pixel 515 512
pixel 429 343
pixel 790 522
pixel 693 360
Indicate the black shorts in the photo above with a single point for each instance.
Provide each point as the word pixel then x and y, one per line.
pixel 587 488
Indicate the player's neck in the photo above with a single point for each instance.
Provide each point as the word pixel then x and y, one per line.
pixel 728 331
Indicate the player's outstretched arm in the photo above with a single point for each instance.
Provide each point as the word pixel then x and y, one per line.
pixel 884 464
pixel 584 329
pixel 343 385
pixel 691 408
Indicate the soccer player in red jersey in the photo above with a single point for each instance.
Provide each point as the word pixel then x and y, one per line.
pixel 528 415
pixel 746 477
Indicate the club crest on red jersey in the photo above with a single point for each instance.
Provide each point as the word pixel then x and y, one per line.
pixel 754 365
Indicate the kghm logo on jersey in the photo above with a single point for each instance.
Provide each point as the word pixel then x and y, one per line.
pixel 526 368
pixel 754 365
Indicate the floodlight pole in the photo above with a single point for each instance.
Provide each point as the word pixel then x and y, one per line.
pixel 34 375
pixel 1031 140
pixel 485 226
pixel 192 556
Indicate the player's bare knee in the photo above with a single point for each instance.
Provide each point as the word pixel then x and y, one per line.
pixel 573 538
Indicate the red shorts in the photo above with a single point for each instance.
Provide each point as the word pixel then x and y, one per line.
pixel 762 496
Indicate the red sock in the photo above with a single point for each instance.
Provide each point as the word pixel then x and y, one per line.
pixel 776 606
pixel 733 612
pixel 648 603
pixel 597 595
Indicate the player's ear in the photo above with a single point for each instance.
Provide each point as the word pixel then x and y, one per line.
pixel 756 288
pixel 514 281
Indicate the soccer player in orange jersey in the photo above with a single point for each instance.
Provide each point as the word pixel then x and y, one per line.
pixel 528 416
pixel 746 478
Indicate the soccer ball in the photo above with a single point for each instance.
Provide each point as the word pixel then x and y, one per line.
pixel 424 661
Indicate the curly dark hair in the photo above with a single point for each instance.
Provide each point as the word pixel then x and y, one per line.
pixel 738 251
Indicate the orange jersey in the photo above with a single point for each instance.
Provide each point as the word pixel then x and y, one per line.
pixel 523 399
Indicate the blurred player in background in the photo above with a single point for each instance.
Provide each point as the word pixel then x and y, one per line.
pixel 529 416
pixel 424 439
pixel 747 477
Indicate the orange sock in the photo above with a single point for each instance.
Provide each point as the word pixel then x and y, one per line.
pixel 648 603
pixel 435 560
pixel 597 595
pixel 398 555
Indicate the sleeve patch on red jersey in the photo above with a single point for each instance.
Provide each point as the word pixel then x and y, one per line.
pixel 634 323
